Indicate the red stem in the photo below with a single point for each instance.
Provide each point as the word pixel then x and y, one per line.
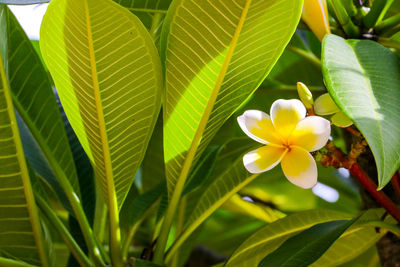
pixel 379 196
pixel 396 184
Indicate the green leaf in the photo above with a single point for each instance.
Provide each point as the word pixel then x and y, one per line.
pixel 307 246
pixel 148 6
pixel 84 169
pixel 20 228
pixel 110 90
pixel 223 188
pixel 203 169
pixel 363 78
pixel 215 56
pixel 33 98
pixel 270 237
pixel 153 168
pixel 133 211
pixel 150 12
pixel 261 212
pixel 362 235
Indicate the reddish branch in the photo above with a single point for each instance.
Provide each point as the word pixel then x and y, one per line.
pixel 336 158
pixel 396 184
pixel 379 196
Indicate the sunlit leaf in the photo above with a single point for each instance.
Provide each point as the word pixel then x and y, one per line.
pixel 363 78
pixel 109 87
pixel 213 63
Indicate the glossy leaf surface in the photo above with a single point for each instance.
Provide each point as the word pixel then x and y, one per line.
pixel 363 78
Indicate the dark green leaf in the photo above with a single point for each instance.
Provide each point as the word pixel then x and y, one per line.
pixel 306 247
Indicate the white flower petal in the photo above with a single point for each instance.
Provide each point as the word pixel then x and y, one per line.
pixel 258 126
pixel 285 115
pixel 263 159
pixel 324 105
pixel 300 168
pixel 311 133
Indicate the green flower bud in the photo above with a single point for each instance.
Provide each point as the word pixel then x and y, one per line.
pixel 305 95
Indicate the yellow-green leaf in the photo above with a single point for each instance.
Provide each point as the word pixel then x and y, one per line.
pixel 216 54
pixel 108 76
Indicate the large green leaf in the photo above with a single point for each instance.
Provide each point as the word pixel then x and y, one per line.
pixel 153 168
pixel 357 239
pixel 21 236
pixel 108 76
pixel 307 246
pixel 363 78
pixel 216 54
pixel 46 145
pixel 270 237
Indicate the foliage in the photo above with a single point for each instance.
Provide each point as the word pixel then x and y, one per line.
pixel 120 145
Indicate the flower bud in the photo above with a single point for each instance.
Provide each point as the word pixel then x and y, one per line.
pixel 315 15
pixel 305 95
pixel 324 105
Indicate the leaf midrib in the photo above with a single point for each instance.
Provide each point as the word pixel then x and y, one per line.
pixel 374 104
pixel 99 108
pixel 214 94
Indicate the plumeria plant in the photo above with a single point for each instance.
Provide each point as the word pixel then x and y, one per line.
pixel 148 133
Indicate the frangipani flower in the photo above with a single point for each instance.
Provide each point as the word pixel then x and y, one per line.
pixel 288 136
pixel 324 105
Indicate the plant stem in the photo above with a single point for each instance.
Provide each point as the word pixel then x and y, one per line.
pixel 349 7
pixel 63 231
pixel 94 249
pixel 371 187
pixel 396 184
pixel 308 55
pixel 100 216
pixel 388 23
pixel 388 43
pixel 377 12
pixel 14 263
pixel 345 21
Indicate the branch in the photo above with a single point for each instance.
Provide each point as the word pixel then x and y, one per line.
pixel 379 196
pixel 396 184
pixel 336 158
